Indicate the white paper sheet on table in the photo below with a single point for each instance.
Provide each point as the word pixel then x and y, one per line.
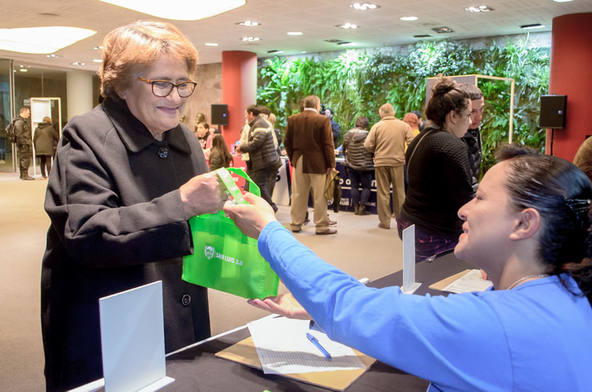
pixel 469 282
pixel 283 348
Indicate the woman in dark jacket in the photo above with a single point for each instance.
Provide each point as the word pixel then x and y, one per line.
pixel 359 165
pixel 438 172
pixel 46 141
pixel 126 179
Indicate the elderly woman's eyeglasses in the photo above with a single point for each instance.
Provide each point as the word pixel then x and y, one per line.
pixel 162 88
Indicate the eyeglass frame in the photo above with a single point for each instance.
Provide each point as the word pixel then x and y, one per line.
pixel 173 85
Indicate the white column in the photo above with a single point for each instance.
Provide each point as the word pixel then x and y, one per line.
pixel 79 91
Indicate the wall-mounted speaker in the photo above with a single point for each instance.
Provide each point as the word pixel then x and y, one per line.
pixel 219 114
pixel 553 111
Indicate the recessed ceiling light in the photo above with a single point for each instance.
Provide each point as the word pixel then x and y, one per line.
pixel 347 26
pixel 364 6
pixel 211 44
pixel 78 63
pixel 294 33
pixel 408 18
pixel 23 70
pixel 421 36
pixel 250 39
pixel 532 26
pixel 275 51
pixel 562 1
pixel 443 30
pixel 97 60
pixel 41 40
pixel 179 9
pixel 52 56
pixel 248 23
pixel 477 9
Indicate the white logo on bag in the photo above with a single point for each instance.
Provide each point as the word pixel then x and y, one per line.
pixel 210 253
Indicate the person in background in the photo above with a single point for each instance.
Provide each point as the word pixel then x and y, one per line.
pixel 264 159
pixel 202 131
pixel 583 158
pixel 24 142
pixel 420 120
pixel 219 154
pixel 387 140
pixel 528 228
pixel 473 136
pixel 413 122
pixel 359 165
pixel 126 179
pixel 244 137
pixel 46 141
pixel 335 128
pixel 309 144
pixel 438 173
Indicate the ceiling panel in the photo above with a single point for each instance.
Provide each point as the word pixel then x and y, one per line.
pixel 315 18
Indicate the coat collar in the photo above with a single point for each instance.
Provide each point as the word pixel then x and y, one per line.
pixel 135 135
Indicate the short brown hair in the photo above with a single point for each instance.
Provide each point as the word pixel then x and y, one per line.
pixel 140 44
pixel 312 101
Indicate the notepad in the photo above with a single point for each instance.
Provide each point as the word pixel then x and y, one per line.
pixel 283 348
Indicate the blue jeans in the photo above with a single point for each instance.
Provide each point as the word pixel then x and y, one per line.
pixel 356 178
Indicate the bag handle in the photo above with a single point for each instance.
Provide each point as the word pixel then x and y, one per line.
pixel 253 188
pixel 415 148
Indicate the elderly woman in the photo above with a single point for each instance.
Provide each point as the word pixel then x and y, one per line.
pixel 438 173
pixel 528 228
pixel 127 177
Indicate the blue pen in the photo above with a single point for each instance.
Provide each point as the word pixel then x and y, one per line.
pixel 314 341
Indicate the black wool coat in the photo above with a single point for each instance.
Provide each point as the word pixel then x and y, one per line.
pixel 117 222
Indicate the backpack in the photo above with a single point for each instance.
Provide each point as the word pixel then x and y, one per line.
pixel 11 131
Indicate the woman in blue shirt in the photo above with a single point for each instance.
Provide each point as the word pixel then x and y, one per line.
pixel 528 228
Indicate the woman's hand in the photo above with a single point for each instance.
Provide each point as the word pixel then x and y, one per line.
pixel 284 304
pixel 250 218
pixel 203 194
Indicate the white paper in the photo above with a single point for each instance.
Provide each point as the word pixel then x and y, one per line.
pixel 469 282
pixel 283 348
pixel 132 339
pixel 409 284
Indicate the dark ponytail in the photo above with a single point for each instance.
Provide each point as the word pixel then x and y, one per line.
pixel 562 194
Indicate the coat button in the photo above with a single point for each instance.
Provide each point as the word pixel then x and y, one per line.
pixel 186 299
pixel 163 152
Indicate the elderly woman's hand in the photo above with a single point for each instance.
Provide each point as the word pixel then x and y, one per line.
pixel 250 218
pixel 203 194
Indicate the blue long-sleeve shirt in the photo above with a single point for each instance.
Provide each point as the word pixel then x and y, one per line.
pixel 536 337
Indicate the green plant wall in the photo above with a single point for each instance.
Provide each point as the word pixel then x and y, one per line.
pixel 356 83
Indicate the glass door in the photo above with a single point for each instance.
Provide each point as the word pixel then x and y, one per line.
pixel 7 163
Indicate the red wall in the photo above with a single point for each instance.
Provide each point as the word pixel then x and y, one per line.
pixel 571 75
pixel 239 89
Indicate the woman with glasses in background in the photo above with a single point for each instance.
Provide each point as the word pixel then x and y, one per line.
pixel 127 178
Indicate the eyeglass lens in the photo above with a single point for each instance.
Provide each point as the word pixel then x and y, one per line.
pixel 163 89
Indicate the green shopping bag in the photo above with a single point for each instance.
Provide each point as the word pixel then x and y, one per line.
pixel 224 258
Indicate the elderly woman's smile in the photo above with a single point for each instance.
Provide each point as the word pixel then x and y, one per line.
pixel 158 114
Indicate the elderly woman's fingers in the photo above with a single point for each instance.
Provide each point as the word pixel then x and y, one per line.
pixel 202 194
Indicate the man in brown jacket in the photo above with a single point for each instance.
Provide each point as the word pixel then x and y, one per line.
pixel 387 140
pixel 309 144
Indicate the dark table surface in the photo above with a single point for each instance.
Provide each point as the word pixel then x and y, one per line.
pixel 197 369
